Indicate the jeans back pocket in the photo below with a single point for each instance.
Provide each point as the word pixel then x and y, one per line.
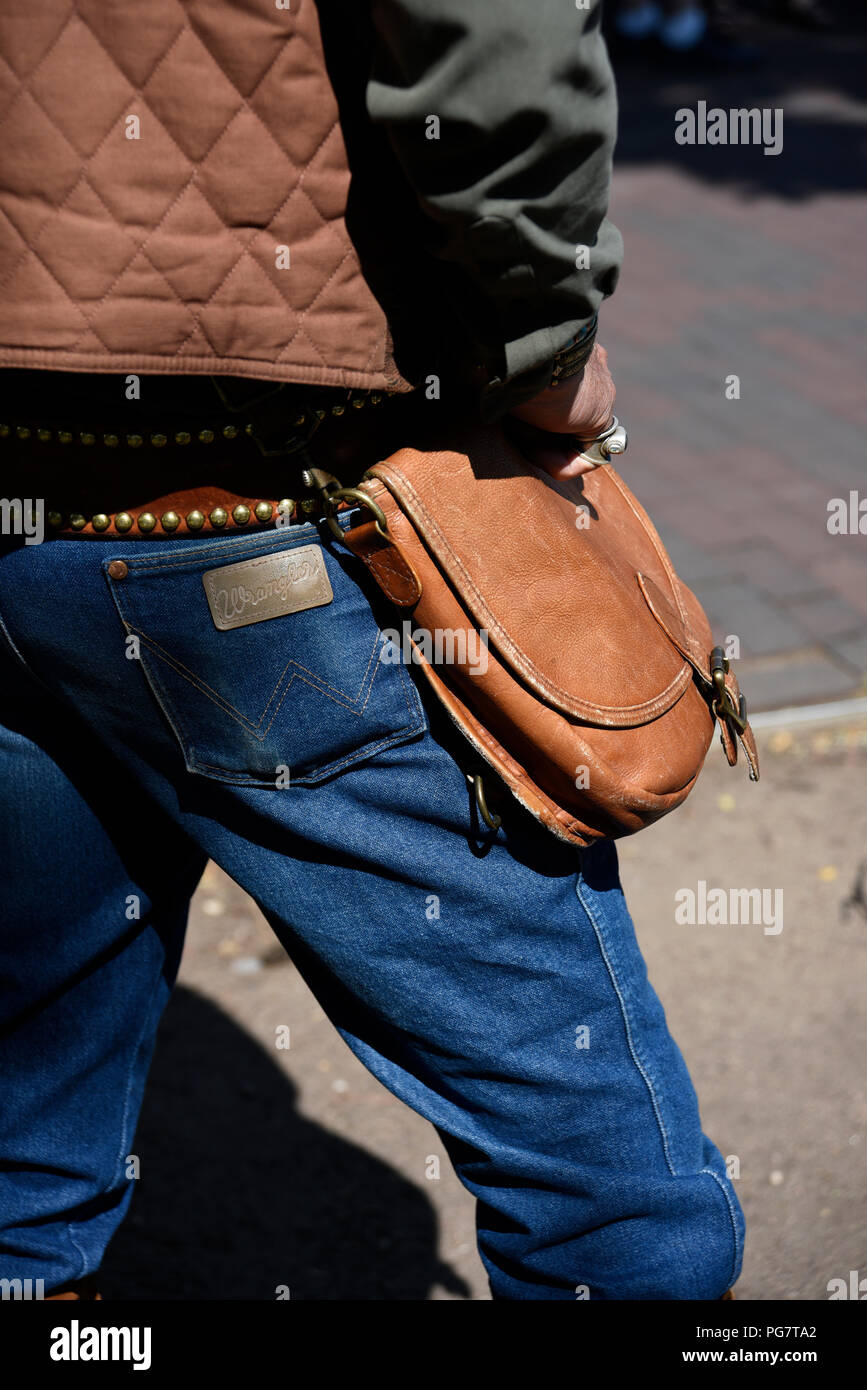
pixel 263 652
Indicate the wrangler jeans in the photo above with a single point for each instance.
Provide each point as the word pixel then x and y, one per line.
pixel 491 980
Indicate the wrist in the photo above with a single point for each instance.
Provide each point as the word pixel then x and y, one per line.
pixel 573 358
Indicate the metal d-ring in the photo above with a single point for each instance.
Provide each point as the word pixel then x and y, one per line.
pixel 492 821
pixel 354 494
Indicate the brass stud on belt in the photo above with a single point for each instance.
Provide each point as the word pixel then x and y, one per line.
pixel 100 522
pixel 170 520
pixel 206 435
pixel 77 521
pixel 285 508
pixel 147 521
pixel 219 516
pixel 263 511
pixel 123 522
pixel 241 514
pixel 195 520
pixel 55 520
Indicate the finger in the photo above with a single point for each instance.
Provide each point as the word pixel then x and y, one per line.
pixel 560 460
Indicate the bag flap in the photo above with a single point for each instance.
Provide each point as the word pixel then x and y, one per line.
pixel 549 570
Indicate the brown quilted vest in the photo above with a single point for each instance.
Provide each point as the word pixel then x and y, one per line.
pixel 173 181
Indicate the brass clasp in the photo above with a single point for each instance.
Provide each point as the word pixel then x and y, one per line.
pixel 723 705
pixel 331 492
pixel 353 494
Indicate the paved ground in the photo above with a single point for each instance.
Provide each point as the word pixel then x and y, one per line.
pixel 265 1167
pixel 747 264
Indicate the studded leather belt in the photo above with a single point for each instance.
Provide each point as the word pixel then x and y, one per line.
pixel 209 477
pixel 190 513
pixel 149 508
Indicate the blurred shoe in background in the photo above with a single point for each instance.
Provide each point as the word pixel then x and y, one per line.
pixel 683 32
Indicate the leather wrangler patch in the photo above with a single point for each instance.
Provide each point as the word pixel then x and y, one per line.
pixel 267 587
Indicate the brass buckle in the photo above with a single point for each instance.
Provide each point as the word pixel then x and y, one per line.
pixel 723 705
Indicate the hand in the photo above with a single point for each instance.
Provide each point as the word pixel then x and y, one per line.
pixel 583 405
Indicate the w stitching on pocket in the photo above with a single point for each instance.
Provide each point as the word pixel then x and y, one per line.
pixel 354 704
pixel 330 692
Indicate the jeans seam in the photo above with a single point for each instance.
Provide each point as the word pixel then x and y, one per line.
pixel 18 654
pixel 367 749
pixel 736 1240
pixel 124 1124
pixel 628 1028
pixel 82 1269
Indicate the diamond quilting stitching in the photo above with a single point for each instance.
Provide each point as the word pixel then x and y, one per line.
pixel 196 315
pixel 299 189
pixel 41 20
pixel 55 212
pixel 284 171
pixel 55 81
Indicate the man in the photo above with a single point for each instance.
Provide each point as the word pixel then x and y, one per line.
pixel 186 333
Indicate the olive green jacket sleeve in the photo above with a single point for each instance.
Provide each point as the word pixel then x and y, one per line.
pixel 502 115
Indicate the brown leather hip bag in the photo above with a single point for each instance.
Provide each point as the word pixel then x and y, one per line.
pixel 549 621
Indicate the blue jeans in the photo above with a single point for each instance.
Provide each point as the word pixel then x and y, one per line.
pixel 491 980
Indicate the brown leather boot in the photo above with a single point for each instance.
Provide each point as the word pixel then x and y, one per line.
pixel 730 1294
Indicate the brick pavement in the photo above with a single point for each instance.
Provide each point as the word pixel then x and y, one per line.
pixel 738 262
pixel 295 1167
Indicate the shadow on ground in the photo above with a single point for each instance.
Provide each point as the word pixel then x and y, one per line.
pixel 816 79
pixel 240 1194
